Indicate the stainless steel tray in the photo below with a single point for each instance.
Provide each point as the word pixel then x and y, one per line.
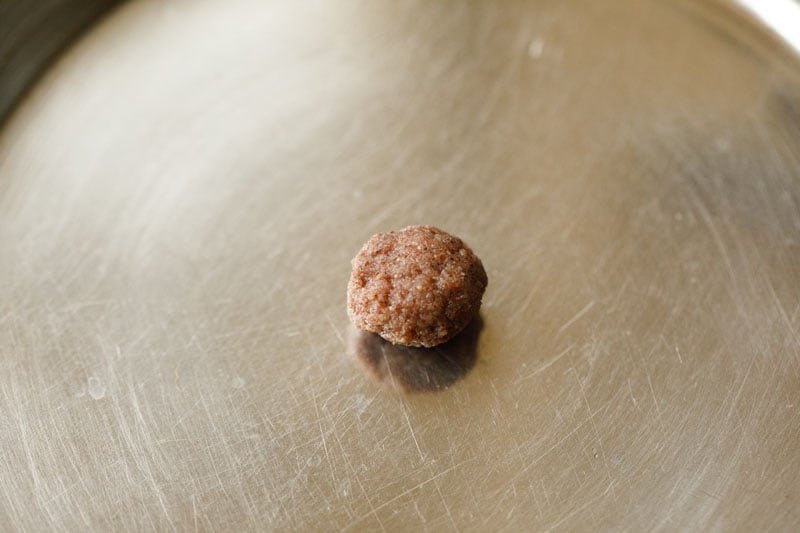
pixel 180 196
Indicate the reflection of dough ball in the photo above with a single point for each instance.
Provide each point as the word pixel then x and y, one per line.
pixel 418 286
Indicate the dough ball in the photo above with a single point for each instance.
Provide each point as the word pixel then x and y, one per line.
pixel 419 286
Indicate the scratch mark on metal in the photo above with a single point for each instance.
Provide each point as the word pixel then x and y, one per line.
pixel 446 507
pixel 404 409
pixel 335 329
pixel 594 429
pixel 416 509
pixel 653 393
pixel 575 318
pixel 194 512
pixel 411 428
pixel 536 501
pixel 353 472
pixel 409 491
pixel 577 510
pixel 705 214
pixel 322 433
pixel 633 399
pixel 548 364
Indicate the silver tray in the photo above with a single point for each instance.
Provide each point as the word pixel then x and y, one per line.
pixel 182 191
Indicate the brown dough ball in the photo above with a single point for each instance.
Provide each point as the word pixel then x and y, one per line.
pixel 419 286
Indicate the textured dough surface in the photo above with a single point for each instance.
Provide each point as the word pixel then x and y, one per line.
pixel 419 286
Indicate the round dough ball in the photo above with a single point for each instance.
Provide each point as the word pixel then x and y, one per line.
pixel 419 286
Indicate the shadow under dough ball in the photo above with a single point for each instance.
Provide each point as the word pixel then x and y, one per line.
pixel 419 286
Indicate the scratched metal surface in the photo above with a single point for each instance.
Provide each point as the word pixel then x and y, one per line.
pixel 181 195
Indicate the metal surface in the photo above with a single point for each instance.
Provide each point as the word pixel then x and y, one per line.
pixel 181 195
pixel 32 33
